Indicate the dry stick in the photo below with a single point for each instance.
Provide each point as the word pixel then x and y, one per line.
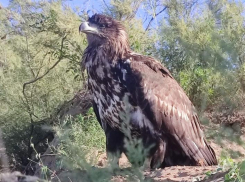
pixel 155 17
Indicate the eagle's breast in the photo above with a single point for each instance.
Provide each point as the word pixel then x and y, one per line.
pixel 107 91
pixel 106 82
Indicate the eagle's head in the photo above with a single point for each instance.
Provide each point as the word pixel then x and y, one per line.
pixel 101 29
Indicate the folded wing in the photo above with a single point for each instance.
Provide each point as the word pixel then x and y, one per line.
pixel 166 106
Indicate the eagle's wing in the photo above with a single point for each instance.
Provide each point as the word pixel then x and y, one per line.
pixel 96 111
pixel 166 106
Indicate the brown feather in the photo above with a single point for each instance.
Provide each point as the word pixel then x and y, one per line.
pixel 174 113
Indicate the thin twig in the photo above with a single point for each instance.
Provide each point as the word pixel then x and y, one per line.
pixel 106 5
pixel 40 77
pixel 42 165
pixel 41 64
pixel 135 8
pixel 28 57
pixel 155 17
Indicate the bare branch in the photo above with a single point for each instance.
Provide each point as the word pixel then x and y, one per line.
pixel 148 26
pixel 106 5
pixel 40 77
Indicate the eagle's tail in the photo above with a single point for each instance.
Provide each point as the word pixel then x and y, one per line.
pixel 189 155
pixel 209 156
pixel 200 156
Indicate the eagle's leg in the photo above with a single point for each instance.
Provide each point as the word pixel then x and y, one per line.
pixel 158 156
pixel 114 145
pixel 157 149
pixel 114 139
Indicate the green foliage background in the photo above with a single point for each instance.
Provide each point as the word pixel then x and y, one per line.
pixel 200 42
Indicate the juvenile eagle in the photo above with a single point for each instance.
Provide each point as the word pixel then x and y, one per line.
pixel 159 111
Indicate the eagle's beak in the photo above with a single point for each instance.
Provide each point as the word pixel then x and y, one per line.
pixel 85 28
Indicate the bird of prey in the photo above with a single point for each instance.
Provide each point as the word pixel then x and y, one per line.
pixel 139 87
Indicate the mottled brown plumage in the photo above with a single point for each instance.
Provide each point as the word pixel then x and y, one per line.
pixel 159 111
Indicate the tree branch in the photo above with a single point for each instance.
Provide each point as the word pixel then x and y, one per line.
pixel 106 5
pixel 148 26
pixel 57 62
pixel 31 114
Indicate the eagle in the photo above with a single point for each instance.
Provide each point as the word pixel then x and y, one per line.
pixel 158 111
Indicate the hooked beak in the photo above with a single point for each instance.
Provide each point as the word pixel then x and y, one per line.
pixel 85 28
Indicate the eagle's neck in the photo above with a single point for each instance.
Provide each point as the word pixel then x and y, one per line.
pixel 107 53
pixel 117 49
